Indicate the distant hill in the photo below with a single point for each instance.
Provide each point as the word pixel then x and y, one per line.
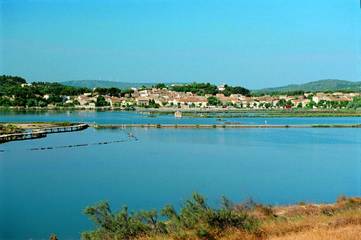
pixel 104 84
pixel 320 85
pixel 108 84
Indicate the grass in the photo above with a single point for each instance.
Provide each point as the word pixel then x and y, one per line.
pixel 342 233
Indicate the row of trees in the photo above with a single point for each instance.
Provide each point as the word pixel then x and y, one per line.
pixel 228 90
pixel 282 103
pixel 196 88
pixel 207 88
pixel 115 92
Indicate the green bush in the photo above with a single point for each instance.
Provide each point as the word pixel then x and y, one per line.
pixel 195 218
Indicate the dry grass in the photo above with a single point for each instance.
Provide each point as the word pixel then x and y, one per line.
pixel 339 221
pixel 345 225
pixel 297 224
pixel 343 233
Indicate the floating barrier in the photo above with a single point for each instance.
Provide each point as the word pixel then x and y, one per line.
pixel 131 137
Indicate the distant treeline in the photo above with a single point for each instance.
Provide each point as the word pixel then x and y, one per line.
pixel 115 92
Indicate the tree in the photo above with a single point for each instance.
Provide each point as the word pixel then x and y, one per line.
pixel 213 101
pixel 116 92
pixel 101 102
pixel 311 104
pixel 152 104
pixel 289 104
pixel 267 105
pixel 281 103
pixel 355 104
pixel 197 88
pixel 236 90
pixel 6 102
pixel 160 86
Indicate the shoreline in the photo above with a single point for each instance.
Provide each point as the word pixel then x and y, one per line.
pixel 34 130
pixel 204 113
pixel 210 126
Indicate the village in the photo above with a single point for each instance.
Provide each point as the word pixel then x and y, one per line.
pixel 165 98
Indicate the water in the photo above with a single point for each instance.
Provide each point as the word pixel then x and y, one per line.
pixel 44 192
pixel 115 117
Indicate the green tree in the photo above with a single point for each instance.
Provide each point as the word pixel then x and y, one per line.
pixel 101 102
pixel 213 101
pixel 160 86
pixel 355 103
pixel 281 103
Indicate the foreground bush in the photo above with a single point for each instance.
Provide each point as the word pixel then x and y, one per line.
pixel 195 219
pixel 248 221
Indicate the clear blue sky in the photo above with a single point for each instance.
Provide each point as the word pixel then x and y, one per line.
pixel 254 43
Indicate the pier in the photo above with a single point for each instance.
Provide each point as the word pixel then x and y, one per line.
pixel 22 136
pixel 70 128
pixel 41 133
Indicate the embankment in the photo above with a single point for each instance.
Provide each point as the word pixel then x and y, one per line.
pixel 40 130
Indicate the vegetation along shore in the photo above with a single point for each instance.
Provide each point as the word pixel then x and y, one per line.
pixel 196 219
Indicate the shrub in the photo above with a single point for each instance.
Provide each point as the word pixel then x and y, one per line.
pixel 195 218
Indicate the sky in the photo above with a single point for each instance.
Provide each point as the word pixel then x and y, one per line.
pixel 252 43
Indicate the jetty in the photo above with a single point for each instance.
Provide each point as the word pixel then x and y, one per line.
pixel 70 128
pixel 184 126
pixel 41 133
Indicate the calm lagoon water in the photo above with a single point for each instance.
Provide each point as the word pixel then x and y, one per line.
pixel 44 192
pixel 108 117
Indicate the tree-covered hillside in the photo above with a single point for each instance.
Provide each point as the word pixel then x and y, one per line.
pixel 15 91
pixel 321 85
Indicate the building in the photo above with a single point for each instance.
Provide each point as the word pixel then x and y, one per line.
pixel 142 101
pixel 193 101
